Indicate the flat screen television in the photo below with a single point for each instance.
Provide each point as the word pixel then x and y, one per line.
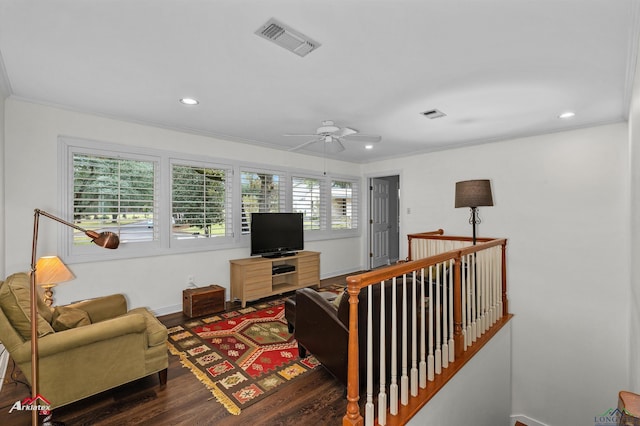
pixel 276 234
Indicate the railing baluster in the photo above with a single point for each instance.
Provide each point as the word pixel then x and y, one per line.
pixel 452 346
pixel 382 395
pixel 414 335
pixel 499 281
pixel 393 388
pixel 431 357
pixel 423 351
pixel 438 352
pixel 445 314
pixel 487 303
pixel 474 308
pixel 404 378
pixel 464 294
pixel 368 410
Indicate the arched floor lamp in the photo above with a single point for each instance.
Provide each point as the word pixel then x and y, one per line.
pixel 103 239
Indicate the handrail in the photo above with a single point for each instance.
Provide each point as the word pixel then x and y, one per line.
pixel 454 258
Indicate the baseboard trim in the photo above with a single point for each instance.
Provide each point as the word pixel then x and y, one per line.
pixel 526 420
pixel 172 309
pixel 338 273
pixel 167 310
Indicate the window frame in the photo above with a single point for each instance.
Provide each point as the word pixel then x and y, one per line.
pixel 163 160
pixel 204 243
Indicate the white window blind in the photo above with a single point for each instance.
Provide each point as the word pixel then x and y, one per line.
pixel 200 202
pixel 261 193
pixel 344 205
pixel 306 199
pixel 114 194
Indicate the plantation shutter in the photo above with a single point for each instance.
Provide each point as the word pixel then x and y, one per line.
pixel 344 205
pixel 307 199
pixel 114 194
pixel 201 204
pixel 261 193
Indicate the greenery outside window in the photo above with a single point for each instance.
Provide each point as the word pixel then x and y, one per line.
pixel 344 205
pixel 200 202
pixel 261 192
pixel 114 194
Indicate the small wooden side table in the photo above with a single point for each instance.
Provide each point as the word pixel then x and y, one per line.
pixel 200 301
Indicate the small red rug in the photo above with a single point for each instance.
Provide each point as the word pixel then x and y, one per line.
pixel 242 356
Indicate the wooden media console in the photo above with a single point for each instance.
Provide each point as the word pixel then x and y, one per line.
pixel 257 277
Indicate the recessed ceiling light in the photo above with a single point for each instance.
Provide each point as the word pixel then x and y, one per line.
pixel 567 114
pixel 189 101
pixel 368 147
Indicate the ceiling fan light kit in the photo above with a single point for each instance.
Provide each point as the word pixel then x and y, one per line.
pixel 329 133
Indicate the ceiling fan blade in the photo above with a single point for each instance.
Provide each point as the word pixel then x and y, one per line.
pixel 295 148
pixel 338 146
pixel 345 131
pixel 363 138
pixel 300 134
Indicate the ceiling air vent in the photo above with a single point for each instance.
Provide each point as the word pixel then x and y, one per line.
pixel 287 37
pixel 434 113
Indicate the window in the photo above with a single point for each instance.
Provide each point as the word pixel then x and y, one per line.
pixel 114 194
pixel 200 202
pixel 344 205
pixel 260 192
pixel 161 202
pixel 305 199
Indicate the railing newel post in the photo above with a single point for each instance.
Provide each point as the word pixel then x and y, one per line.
pixel 353 416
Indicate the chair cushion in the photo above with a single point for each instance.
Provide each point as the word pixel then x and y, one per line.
pixel 65 318
pixel 15 303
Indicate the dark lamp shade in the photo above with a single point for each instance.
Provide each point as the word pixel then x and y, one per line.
pixel 474 193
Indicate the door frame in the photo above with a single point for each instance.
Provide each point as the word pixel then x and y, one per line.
pixel 397 200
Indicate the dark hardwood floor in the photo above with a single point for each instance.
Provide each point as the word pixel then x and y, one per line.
pixel 316 399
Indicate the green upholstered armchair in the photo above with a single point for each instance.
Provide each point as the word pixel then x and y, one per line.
pixel 84 348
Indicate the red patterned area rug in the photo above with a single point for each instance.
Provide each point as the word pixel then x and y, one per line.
pixel 241 356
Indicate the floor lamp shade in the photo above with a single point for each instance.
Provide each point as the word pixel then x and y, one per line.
pixel 474 193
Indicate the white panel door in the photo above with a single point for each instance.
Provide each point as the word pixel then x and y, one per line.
pixel 379 221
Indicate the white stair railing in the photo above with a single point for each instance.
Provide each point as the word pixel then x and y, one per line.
pixel 430 306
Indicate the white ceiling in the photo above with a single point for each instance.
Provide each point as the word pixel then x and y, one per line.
pixel 498 68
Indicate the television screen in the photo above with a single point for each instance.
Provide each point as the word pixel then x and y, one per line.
pixel 276 234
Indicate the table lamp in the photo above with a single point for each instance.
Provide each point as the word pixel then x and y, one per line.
pixel 51 272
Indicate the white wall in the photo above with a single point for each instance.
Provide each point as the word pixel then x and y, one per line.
pixel 4 356
pixel 157 282
pixel 3 95
pixel 634 145
pixel 479 394
pixel 562 200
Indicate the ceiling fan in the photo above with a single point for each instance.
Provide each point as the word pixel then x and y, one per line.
pixel 333 137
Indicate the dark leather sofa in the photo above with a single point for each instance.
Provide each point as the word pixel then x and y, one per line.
pixel 322 329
